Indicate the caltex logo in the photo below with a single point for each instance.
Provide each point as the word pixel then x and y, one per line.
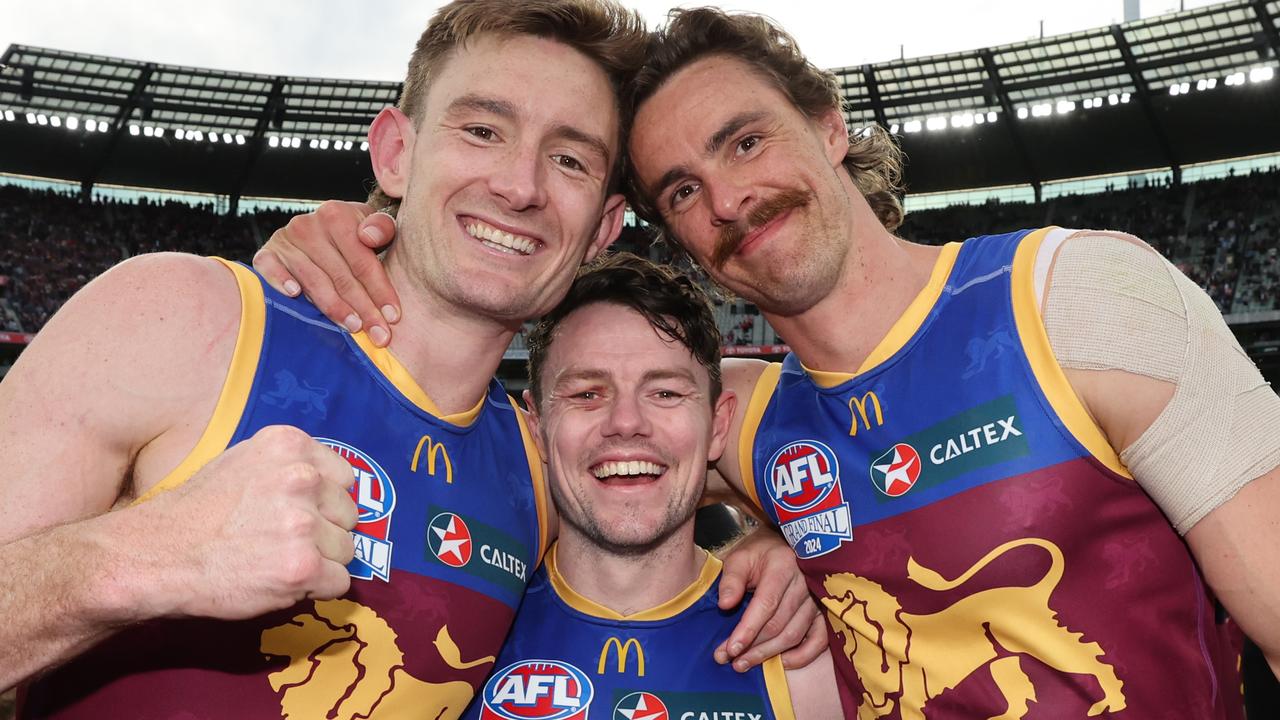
pixel 537 690
pixel 449 539
pixel 896 471
pixel 641 706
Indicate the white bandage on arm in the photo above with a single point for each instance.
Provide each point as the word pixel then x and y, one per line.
pixel 1114 304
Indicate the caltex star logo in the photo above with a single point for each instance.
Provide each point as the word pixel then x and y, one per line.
pixel 896 471
pixel 640 706
pixel 449 539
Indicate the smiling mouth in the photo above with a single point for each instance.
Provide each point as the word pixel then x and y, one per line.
pixel 627 472
pixel 500 240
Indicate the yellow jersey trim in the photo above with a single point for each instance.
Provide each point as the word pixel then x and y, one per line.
pixel 775 684
pixel 669 609
pixel 765 385
pixel 1048 373
pixel 391 368
pixel 905 327
pixel 539 481
pixel 235 389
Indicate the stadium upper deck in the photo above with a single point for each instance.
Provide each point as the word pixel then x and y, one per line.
pixel 1163 92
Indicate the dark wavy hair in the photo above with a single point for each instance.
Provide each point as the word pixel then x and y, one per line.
pixel 671 302
pixel 874 160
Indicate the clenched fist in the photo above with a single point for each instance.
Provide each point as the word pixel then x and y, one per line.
pixel 265 524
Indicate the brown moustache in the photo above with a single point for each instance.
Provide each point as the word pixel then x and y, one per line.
pixel 732 234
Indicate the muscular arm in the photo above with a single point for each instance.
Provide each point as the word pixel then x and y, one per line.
pixel 107 399
pixel 813 690
pixel 1205 447
pixel 77 409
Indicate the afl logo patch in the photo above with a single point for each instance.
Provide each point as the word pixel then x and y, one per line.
pixel 896 471
pixel 641 706
pixel 375 498
pixel 803 474
pixel 537 690
pixel 449 539
pixel 804 484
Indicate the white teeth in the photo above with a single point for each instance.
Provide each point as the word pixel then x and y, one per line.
pixel 501 240
pixel 626 467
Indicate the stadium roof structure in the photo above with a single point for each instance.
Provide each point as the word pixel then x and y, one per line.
pixel 1164 92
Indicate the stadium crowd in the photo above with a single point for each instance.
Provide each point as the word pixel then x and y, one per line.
pixel 1222 233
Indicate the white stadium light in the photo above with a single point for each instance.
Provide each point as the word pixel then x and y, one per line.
pixel 134 130
pixel 313 144
pixel 73 122
pixel 31 118
pixel 1261 74
pixel 159 132
pixel 1113 99
pixel 1041 110
pixel 1124 97
pixel 364 146
pixel 197 134
pixel 1175 89
pixel 324 143
pixel 55 121
pixel 893 130
pixel 8 115
pixel 1235 78
pixel 979 118
pixel 239 139
pixel 991 116
pixel 1023 113
pixel 179 133
pixel 273 141
pixel 936 123
pixel 226 138
pixel 1211 83
pixel 42 119
pixel 1088 103
pixel 912 126
pixel 91 125
pixel 103 126
pixel 1066 106
pixel 149 131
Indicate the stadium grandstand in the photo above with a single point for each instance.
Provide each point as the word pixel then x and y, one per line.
pixel 1167 127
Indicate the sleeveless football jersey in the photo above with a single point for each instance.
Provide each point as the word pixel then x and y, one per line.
pixel 450 529
pixel 569 658
pixel 977 545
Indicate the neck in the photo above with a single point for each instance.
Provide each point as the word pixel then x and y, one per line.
pixel 629 584
pixel 882 274
pixel 451 352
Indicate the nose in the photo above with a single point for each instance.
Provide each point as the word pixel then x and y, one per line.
pixel 730 199
pixel 519 179
pixel 627 417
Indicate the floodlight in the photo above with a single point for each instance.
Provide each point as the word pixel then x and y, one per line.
pixel 273 141
pixel 912 126
pixel 148 131
pixel 159 132
pixel 103 126
pixel 1066 106
pixel 73 122
pixel 1175 89
pixel 134 130
pixel 239 139
pixel 991 116
pixel 179 133
pixel 8 115
pixel 1022 113
pixel 42 119
pixel 55 121
pixel 364 145
pixel 1261 74
pixel 1124 97
pixel 324 143
pixel 978 118
pixel 199 135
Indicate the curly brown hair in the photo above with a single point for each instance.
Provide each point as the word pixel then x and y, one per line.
pixel 672 303
pixel 612 36
pixel 874 160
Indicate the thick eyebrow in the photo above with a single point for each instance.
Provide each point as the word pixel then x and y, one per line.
pixel 571 376
pixel 481 103
pixel 712 146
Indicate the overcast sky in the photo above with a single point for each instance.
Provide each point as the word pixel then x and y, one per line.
pixel 368 40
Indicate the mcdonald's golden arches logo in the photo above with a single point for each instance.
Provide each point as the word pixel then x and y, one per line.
pixel 624 651
pixel 858 411
pixel 435 451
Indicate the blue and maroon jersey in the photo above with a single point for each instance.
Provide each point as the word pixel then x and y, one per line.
pixel 450 529
pixel 978 547
pixel 569 658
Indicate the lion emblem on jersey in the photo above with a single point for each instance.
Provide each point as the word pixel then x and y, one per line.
pixel 290 390
pixel 345 664
pixel 905 659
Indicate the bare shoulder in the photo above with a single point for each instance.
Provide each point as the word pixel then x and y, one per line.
pixel 740 376
pixel 138 351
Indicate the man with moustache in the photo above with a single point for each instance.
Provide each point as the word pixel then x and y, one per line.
pixel 1021 469
pixel 626 406
pixel 171 550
